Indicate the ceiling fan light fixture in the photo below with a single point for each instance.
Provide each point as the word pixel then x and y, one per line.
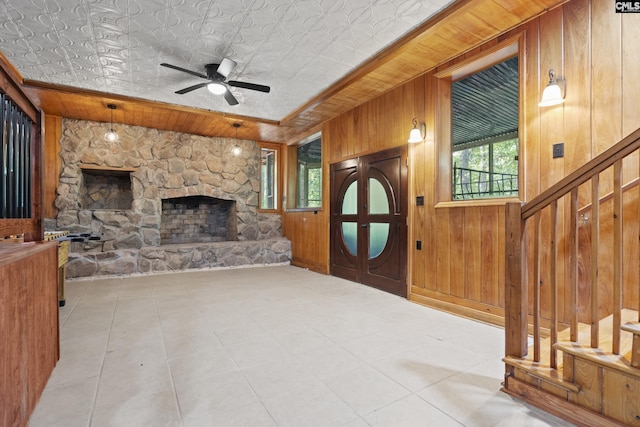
pixel 216 88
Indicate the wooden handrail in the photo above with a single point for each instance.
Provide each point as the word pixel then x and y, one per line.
pixel 581 175
pixel 517 242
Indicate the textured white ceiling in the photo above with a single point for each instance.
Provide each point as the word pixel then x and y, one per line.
pixel 298 47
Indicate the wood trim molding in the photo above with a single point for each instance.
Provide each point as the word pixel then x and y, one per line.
pixel 458 306
pixel 11 84
pixel 555 405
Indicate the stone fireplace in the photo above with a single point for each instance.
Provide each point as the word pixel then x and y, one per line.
pixel 197 219
pixel 162 201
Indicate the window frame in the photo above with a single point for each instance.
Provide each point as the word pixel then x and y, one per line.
pixel 291 202
pixel 513 46
pixel 277 148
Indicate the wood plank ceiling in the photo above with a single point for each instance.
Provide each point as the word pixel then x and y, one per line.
pixel 461 27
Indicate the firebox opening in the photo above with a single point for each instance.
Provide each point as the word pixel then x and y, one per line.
pixel 106 189
pixel 197 219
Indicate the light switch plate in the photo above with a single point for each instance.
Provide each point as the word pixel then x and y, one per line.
pixel 558 150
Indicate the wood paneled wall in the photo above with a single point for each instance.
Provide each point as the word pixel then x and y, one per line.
pixel 52 164
pixel 461 265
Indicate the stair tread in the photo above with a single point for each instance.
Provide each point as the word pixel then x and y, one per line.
pixel 542 371
pixel 582 348
pixel 620 362
pixel 633 327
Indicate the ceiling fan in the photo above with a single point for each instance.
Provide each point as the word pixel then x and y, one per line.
pixel 217 75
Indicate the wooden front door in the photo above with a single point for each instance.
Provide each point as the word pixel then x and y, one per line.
pixel 369 220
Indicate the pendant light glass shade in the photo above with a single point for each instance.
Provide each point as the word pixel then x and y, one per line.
pixel 236 150
pixel 111 135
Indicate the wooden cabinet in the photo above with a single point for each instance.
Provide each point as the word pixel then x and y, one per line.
pixel 29 346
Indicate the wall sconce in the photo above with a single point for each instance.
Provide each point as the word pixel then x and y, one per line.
pixel 236 151
pixel 111 135
pixel 417 133
pixel 553 94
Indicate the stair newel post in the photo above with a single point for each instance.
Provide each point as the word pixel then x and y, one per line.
pixel 536 286
pixel 516 294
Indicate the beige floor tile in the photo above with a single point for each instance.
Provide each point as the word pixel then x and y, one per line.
pixel 327 362
pixel 410 412
pixel 252 415
pixel 218 394
pixel 200 366
pixel 127 380
pixel 271 346
pixel 73 368
pixel 314 406
pixel 411 370
pixel 278 377
pixel 263 349
pixel 156 409
pixel 67 405
pixel 366 390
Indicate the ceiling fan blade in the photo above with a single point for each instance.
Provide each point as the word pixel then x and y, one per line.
pixel 226 66
pixel 230 98
pixel 191 88
pixel 184 70
pixel 252 86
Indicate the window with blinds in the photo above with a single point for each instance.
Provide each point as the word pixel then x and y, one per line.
pixel 15 160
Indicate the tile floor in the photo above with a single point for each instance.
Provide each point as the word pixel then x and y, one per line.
pixel 270 346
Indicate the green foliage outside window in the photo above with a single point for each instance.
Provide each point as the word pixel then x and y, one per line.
pixel 309 175
pixel 489 170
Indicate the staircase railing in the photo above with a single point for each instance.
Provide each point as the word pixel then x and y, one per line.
pixel 528 247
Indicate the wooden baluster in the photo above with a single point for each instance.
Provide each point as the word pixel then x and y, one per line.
pixel 553 276
pixel 617 256
pixel 536 287
pixel 573 273
pixel 595 240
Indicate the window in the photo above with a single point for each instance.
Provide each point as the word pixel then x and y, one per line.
pixel 309 174
pixel 484 124
pixel 15 160
pixel 268 178
pixel 477 133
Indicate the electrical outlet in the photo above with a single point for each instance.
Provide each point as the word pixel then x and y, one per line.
pixel 419 245
pixel 419 200
pixel 558 150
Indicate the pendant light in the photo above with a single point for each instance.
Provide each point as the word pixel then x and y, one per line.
pixel 236 151
pixel 111 135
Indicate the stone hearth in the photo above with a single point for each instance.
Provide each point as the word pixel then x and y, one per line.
pixel 160 166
